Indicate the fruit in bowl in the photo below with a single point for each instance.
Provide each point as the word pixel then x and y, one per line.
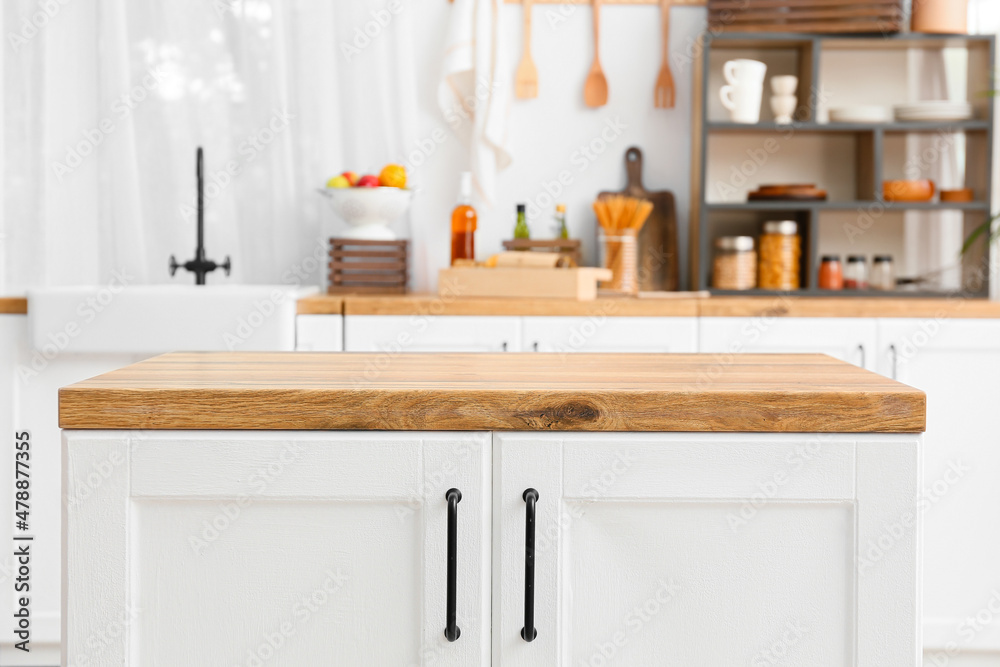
pixel 368 181
pixel 368 211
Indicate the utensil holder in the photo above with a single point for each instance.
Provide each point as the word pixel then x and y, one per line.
pixel 620 254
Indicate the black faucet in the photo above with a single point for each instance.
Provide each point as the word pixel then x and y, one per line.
pixel 200 266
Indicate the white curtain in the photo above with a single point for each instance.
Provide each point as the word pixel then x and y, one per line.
pixel 105 102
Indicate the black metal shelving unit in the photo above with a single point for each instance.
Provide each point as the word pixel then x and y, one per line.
pixel 869 140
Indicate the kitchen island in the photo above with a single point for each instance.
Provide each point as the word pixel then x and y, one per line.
pixel 518 509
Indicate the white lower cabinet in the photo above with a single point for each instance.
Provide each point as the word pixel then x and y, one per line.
pixel 651 550
pixel 848 339
pixel 704 549
pixel 271 548
pixel 319 333
pixel 602 333
pixel 394 334
pixel 957 362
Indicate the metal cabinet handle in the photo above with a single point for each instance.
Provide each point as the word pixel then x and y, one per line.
pixel 451 630
pixel 503 346
pixel 528 632
pixel 895 359
pixel 534 346
pixel 861 349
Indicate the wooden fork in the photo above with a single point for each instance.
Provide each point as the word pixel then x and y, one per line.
pixel 663 96
pixel 526 80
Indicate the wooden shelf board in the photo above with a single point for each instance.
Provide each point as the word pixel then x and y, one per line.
pixel 847 206
pixel 847 294
pixel 934 126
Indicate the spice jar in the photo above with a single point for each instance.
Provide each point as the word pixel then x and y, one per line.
pixel 831 273
pixel 735 265
pixel 780 252
pixel 856 272
pixel 883 273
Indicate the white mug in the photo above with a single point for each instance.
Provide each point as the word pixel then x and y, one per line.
pixel 742 96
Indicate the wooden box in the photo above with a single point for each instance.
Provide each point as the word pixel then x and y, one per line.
pixel 806 16
pixel 578 283
pixel 367 267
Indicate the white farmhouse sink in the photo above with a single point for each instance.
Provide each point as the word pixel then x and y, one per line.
pixel 158 318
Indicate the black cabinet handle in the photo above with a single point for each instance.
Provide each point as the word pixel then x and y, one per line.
pixel 451 630
pixel 528 632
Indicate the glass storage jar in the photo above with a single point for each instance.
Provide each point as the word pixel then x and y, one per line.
pixel 831 273
pixel 780 254
pixel 883 273
pixel 735 264
pixel 856 272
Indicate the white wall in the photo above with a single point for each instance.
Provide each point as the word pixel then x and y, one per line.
pixel 546 134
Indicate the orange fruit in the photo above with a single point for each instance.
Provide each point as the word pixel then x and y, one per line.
pixel 393 176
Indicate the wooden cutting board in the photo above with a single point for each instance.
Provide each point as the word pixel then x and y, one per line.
pixel 658 258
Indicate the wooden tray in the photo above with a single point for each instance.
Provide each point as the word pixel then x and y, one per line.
pixel 579 283
pixel 806 16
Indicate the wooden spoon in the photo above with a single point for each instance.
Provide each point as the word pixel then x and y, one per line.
pixel 595 89
pixel 526 80
pixel 664 95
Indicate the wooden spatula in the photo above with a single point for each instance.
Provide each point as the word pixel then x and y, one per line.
pixel 595 90
pixel 663 96
pixel 526 80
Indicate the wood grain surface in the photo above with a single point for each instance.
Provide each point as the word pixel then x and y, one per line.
pixel 13 306
pixel 523 392
pixel 427 304
pixel 778 306
pixel 678 305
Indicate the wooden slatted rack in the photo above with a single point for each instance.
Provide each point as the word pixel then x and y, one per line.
pixel 367 267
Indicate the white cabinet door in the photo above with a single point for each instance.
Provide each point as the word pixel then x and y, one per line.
pixel 276 548
pixel 394 334
pixel 319 333
pixel 601 333
pixel 849 339
pixel 957 362
pixel 663 550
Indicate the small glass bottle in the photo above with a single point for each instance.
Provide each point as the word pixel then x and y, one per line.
pixel 883 273
pixel 831 273
pixel 562 231
pixel 463 223
pixel 521 228
pixel 856 272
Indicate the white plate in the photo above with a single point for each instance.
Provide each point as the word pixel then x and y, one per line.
pixel 860 114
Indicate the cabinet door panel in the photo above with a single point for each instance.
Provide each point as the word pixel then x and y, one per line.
pixel 957 363
pixel 672 549
pixel 279 548
pixel 431 333
pixel 319 333
pixel 610 334
pixel 849 339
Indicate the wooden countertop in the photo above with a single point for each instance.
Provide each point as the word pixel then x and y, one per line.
pixel 781 306
pixel 13 305
pixel 689 304
pixel 525 392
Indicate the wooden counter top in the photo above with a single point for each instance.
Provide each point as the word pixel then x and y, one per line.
pixel 13 306
pixel 781 306
pixel 585 392
pixel 690 304
pixel 432 304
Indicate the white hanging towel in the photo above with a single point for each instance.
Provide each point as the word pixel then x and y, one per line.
pixel 474 92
